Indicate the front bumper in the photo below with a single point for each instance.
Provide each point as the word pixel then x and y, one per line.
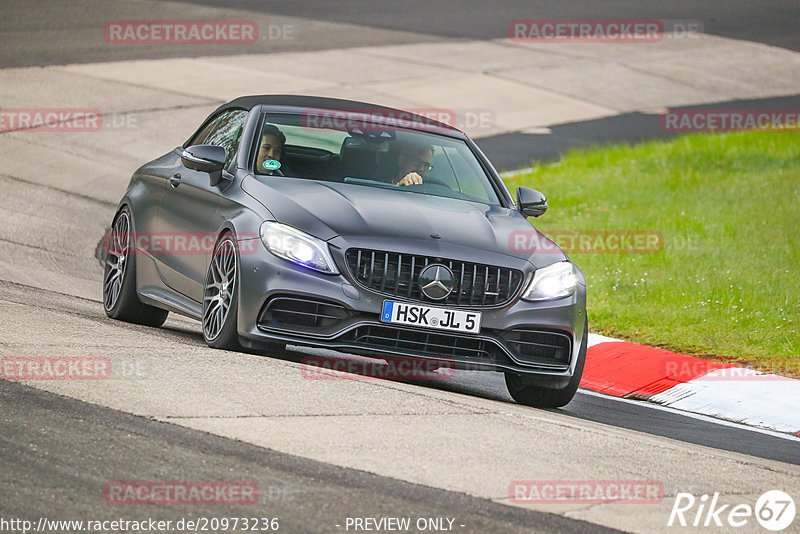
pixel 335 312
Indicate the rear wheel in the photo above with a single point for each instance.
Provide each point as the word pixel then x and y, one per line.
pixel 523 389
pixel 119 278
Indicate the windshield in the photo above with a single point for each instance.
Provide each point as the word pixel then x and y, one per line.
pixel 339 148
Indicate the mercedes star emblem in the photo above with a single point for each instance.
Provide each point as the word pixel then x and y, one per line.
pixel 436 281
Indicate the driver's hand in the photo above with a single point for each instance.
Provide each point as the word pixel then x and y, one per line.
pixel 411 178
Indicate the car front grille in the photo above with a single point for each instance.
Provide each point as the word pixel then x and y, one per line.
pixel 425 343
pixel 397 275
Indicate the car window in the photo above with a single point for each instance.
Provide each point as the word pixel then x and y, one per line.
pixel 328 140
pixel 224 130
pixel 467 173
pixel 441 169
pixel 375 154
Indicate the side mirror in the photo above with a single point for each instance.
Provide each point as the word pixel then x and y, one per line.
pixel 205 158
pixel 530 202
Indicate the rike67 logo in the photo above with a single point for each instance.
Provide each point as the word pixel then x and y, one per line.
pixel 774 510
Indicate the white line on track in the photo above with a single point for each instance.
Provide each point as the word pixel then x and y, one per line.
pixel 699 417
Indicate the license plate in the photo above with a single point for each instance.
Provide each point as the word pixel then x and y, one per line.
pixel 431 317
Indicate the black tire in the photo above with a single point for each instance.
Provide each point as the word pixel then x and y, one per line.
pixel 120 300
pixel 525 392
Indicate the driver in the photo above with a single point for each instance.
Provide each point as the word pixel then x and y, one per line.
pixel 413 163
pixel 270 148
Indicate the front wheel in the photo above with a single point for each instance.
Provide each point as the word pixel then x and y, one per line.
pixel 221 300
pixel 220 297
pixel 525 392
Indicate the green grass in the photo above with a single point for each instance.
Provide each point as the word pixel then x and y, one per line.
pixel 725 285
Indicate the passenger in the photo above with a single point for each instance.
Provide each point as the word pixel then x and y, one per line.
pixel 271 148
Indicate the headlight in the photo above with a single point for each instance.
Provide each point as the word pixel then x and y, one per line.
pixel 291 244
pixel 552 282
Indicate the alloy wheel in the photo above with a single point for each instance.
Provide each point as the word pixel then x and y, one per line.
pixel 219 289
pixel 116 260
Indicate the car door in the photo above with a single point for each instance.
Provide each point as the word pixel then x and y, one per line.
pixel 188 211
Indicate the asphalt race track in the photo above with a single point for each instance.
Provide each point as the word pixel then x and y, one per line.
pixel 772 22
pixel 43 430
pixel 319 451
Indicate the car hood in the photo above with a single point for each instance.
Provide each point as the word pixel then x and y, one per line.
pixel 330 209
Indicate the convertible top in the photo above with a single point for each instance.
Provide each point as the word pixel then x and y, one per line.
pixel 334 104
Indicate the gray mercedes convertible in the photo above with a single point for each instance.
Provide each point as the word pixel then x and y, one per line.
pixel 350 226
